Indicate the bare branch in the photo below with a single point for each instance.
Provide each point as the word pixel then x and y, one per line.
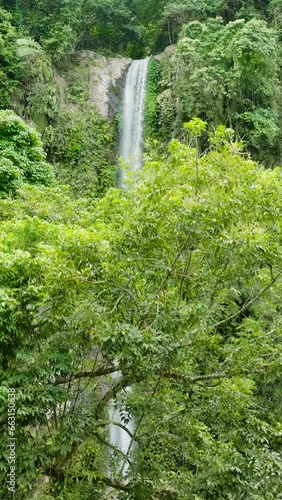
pixel 118 424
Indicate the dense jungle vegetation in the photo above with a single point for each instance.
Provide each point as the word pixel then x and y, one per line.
pixel 175 282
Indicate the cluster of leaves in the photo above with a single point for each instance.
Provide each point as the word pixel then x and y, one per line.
pixel 10 63
pixel 51 23
pixel 151 100
pixel 27 80
pixel 22 158
pixel 181 12
pixel 40 100
pixel 225 74
pixel 79 142
pixel 107 25
pixel 81 145
pixel 129 27
pixel 176 283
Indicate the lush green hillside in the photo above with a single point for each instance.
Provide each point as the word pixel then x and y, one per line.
pixel 175 282
pixel 225 67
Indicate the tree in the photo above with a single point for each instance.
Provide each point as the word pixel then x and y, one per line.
pixel 81 146
pixel 111 26
pixel 22 158
pixel 176 283
pixel 225 74
pixel 55 25
pixel 176 14
pixel 10 66
pixel 61 27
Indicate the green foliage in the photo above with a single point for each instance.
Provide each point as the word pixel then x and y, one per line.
pixel 151 104
pixel 52 24
pixel 275 13
pixel 222 136
pixel 40 93
pixel 28 47
pixel 10 66
pixel 112 26
pixel 98 25
pixel 10 177
pixel 79 142
pixel 60 42
pixel 225 74
pixel 262 128
pixel 21 154
pixel 130 27
pixel 77 94
pixel 177 284
pixel 196 126
pixel 176 14
pixel 81 146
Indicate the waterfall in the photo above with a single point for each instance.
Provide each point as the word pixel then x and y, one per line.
pixel 118 436
pixel 131 146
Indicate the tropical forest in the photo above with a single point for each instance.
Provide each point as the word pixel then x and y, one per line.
pixel 141 249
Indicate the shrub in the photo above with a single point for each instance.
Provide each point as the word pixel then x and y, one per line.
pixel 21 154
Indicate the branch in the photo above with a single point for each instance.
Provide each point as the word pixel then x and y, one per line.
pixel 193 380
pixel 107 443
pixel 168 273
pixel 105 370
pixel 114 483
pixel 122 383
pixel 126 381
pixel 113 422
pixel 247 304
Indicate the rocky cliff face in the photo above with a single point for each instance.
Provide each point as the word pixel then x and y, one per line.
pixel 98 78
pixel 106 84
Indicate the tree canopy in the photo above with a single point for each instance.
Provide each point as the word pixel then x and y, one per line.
pixel 225 73
pixel 177 284
pixel 22 158
pixel 171 287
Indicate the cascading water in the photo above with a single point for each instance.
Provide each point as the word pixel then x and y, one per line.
pixel 131 148
pixel 118 436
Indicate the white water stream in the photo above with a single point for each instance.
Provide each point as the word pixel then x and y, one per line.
pixel 131 149
pixel 131 146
